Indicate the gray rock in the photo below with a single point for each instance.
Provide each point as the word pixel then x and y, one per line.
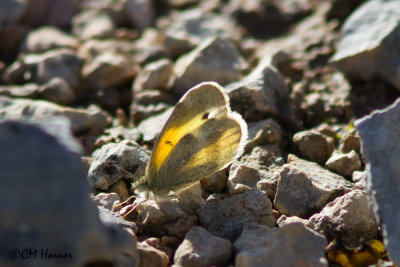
pixel 313 145
pixel 243 178
pixel 379 134
pixel 176 45
pixel 225 218
pixel 153 97
pixel 195 25
pixel 151 127
pixel 155 75
pixel 48 12
pixel 142 112
pixel 159 244
pixel 82 120
pixel 107 217
pixel 140 12
pixel 106 200
pixel 267 161
pixel 344 163
pixel 215 183
pixel 283 220
pixel 119 133
pixel 108 69
pixel 92 48
pixel 305 187
pixel 107 62
pixel 41 179
pixel 214 59
pixel 60 127
pixel 369 45
pixel 264 156
pixel 292 245
pixel 350 142
pixel 29 90
pixel 47 38
pixel 57 90
pixel 348 219
pixel 11 10
pixel 113 162
pixel 263 92
pixel 93 23
pixel 62 63
pixel 169 216
pixel 182 226
pixel 150 46
pixel 201 248
pixel 263 132
pixel 41 68
pixel 121 189
pixel 150 256
pixel 359 178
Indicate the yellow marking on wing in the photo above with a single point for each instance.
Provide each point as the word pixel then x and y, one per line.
pixel 221 151
pixel 171 137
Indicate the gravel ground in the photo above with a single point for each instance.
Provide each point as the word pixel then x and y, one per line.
pixel 87 86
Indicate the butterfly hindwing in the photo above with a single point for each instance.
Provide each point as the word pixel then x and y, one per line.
pixel 201 137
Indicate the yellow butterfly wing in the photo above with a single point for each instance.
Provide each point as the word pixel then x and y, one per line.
pixel 201 137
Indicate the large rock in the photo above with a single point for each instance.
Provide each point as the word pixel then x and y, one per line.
pixel 348 219
pixel 379 134
pixel 91 120
pixel 109 69
pixel 107 63
pixel 155 75
pixel 150 256
pixel 46 38
pixel 57 90
pixel 226 217
pixel 243 177
pixel 292 245
pixel 29 90
pixel 263 132
pixel 46 213
pixel 195 25
pixel 215 59
pixel 200 248
pixel 262 93
pixel 93 23
pixel 369 47
pixel 113 162
pixel 305 187
pixel 40 68
pixel 344 163
pixel 151 127
pixel 314 145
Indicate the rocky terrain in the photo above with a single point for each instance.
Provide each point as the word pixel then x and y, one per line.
pixel 86 87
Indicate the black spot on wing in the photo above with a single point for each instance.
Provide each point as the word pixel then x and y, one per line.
pixel 205 116
pixel 169 143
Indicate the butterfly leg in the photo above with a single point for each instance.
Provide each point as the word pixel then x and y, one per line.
pixel 128 201
pixel 132 207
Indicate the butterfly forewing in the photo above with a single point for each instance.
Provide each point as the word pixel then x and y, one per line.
pixel 201 137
